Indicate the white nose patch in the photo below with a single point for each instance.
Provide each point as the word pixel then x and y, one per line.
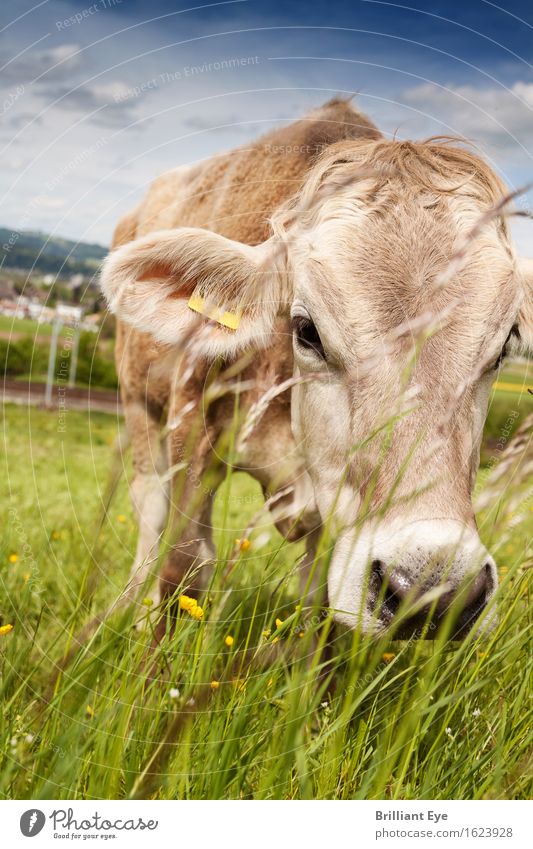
pixel 428 553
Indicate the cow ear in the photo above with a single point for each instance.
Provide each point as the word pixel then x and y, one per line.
pixel 172 282
pixel 525 318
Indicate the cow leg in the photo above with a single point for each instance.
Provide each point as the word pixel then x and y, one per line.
pixel 150 499
pixel 310 579
pixel 149 494
pixel 188 564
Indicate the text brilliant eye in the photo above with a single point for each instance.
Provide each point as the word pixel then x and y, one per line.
pixel 307 335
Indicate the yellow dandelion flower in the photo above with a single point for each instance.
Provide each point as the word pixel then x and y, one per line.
pixel 243 544
pixel 275 640
pixel 191 606
pixel 5 629
pixel 279 623
pixel 215 685
pixel 388 656
pixel 301 634
pixel 228 640
pixel 89 710
pixel 121 518
pixel 13 558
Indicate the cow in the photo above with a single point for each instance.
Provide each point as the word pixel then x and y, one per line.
pixel 377 281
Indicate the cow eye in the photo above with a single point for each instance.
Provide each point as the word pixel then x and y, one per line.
pixel 503 353
pixel 306 335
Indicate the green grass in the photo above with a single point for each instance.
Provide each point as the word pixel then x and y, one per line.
pixel 408 720
pixel 24 325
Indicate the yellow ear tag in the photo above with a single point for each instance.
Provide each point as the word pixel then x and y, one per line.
pixel 228 319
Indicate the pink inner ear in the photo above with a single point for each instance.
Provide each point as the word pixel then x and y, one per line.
pixel 155 271
pixel 160 272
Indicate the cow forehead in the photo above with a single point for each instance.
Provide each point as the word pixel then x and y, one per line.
pixel 375 268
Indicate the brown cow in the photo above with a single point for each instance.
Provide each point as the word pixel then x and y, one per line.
pixel 332 246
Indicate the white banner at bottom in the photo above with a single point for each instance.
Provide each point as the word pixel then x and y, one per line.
pixel 258 824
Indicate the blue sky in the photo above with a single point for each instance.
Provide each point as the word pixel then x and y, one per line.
pixel 97 98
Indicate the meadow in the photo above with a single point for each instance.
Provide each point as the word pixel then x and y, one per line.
pixel 244 702
pixel 25 349
pixel 10 326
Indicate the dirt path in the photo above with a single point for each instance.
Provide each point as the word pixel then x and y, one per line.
pixel 63 397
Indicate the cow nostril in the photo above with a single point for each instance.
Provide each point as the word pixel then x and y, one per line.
pixel 478 594
pixel 377 568
pixel 396 580
pixel 480 586
pixel 386 601
pixel 489 580
pixel 389 588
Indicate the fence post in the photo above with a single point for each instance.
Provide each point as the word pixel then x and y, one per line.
pixel 74 355
pixel 56 327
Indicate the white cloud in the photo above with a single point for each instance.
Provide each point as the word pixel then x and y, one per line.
pixel 53 63
pixel 522 230
pixel 499 116
pixel 49 202
pixel 106 100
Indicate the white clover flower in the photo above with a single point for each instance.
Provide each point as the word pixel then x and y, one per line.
pixel 29 738
pixel 476 712
pixel 174 693
pixel 449 731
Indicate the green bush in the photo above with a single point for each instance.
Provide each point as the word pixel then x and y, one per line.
pixel 22 356
pixel 93 368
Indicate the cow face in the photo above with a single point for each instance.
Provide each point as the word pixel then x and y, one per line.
pixel 393 429
pixel 403 324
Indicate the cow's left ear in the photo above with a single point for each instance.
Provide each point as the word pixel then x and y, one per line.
pixel 174 282
pixel 525 319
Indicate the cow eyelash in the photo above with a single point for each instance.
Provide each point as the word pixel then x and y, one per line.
pixel 503 353
pixel 306 335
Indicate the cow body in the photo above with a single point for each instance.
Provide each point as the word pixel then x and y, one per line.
pixel 334 246
pixel 233 195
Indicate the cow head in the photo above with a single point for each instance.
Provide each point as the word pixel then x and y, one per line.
pixel 403 318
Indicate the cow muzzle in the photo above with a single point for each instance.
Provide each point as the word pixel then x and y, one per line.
pixel 412 579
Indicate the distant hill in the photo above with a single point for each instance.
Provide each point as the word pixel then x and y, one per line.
pixel 48 254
